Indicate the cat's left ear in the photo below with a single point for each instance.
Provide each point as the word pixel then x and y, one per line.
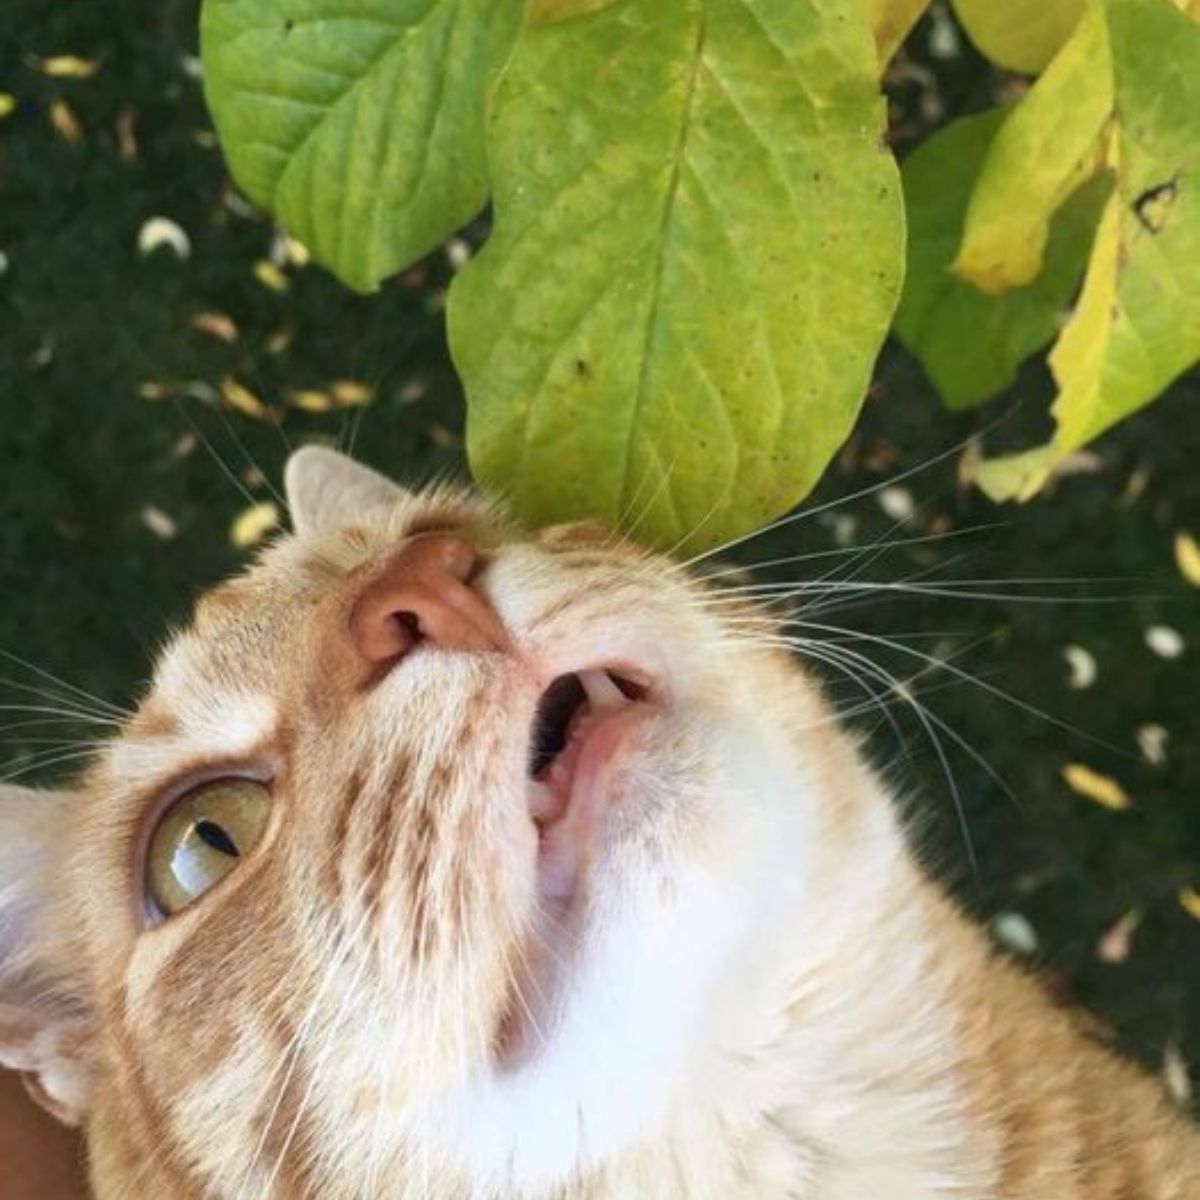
pixel 326 490
pixel 45 1027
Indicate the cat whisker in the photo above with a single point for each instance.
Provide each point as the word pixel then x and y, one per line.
pixel 93 701
pixel 68 714
pixel 41 723
pixel 865 682
pixel 353 423
pixel 249 458
pixel 223 466
pixel 698 528
pixel 629 528
pixel 960 589
pixel 58 743
pixel 947 665
pixel 848 551
pixel 806 514
pixel 931 723
pixel 44 762
pixel 834 651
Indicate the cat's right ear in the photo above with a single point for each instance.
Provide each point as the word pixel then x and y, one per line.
pixel 45 1028
pixel 326 490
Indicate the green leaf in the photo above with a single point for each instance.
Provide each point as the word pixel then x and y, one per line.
pixel 697 250
pixel 1022 35
pixel 1049 144
pixel 1137 324
pixel 971 344
pixel 359 123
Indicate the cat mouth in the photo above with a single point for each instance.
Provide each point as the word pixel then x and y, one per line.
pixel 581 720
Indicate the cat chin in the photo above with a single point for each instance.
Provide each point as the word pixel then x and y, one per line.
pixel 674 897
pixel 649 956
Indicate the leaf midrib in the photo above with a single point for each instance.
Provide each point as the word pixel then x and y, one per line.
pixel 669 198
pixel 404 33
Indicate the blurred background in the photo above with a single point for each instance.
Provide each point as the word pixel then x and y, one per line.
pixel 162 347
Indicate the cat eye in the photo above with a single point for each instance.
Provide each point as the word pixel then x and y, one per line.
pixel 202 838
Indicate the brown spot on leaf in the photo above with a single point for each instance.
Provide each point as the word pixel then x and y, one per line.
pixel 1153 206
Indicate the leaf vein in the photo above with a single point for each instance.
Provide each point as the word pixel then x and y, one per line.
pixel 671 194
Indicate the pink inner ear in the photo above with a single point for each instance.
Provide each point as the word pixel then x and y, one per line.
pixel 19 1029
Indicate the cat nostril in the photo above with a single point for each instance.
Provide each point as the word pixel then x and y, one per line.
pixel 424 594
pixel 410 623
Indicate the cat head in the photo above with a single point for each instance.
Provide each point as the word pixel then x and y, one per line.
pixel 425 866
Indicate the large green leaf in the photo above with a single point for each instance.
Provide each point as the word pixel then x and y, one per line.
pixel 970 343
pixel 359 123
pixel 1050 142
pixel 697 249
pixel 1137 324
pixel 1022 35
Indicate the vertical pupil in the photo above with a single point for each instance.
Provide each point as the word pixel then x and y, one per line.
pixel 213 835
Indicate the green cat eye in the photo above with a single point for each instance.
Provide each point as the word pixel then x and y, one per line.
pixel 202 837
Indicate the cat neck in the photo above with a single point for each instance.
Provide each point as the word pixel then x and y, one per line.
pixel 840 1073
pixel 878 1045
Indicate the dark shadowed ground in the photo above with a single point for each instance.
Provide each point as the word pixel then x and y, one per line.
pixel 114 509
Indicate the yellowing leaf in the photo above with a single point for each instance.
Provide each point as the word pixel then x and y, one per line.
pixel 66 124
pixel 217 325
pixel 160 523
pixel 972 344
pixel 310 400
pixel 890 21
pixel 1189 898
pixel 68 66
pixel 254 523
pixel 1187 558
pixel 298 253
pixel 279 341
pixel 1075 356
pixel 127 145
pixel 348 393
pixel 1022 35
pixel 8 104
pixel 162 231
pixel 1050 143
pixel 270 276
pixel 244 400
pixel 1103 789
pixel 1136 326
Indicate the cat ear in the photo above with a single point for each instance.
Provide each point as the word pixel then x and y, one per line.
pixel 326 490
pixel 44 1026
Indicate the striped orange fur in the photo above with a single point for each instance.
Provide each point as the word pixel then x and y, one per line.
pixel 746 988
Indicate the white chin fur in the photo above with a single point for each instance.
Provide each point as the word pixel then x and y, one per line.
pixel 651 956
pixel 638 1007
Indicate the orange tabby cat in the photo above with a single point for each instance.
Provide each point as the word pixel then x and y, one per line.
pixel 444 862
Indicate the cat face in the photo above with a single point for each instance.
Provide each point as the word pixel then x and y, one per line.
pixel 424 869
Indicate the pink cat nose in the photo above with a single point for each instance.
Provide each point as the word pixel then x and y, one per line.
pixel 424 594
